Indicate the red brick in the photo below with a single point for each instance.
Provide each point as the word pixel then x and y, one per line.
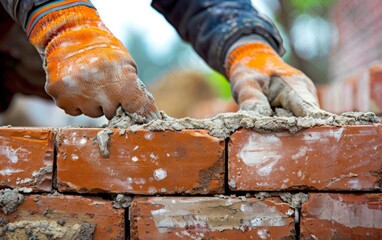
pixel 376 89
pixel 342 216
pixel 324 97
pixel 357 43
pixel 321 158
pixel 26 158
pixel 331 96
pixel 210 218
pixel 144 162
pixel 73 211
pixel 369 88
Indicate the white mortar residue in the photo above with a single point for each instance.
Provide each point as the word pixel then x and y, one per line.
pixel 9 171
pixel 214 214
pixel 256 153
pixel 160 174
pixel 14 154
pixel 350 215
pixel 301 153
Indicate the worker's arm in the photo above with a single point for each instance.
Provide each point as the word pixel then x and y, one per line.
pixel 239 42
pixel 88 69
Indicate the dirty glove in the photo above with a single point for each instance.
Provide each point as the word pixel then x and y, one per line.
pixel 260 79
pixel 88 69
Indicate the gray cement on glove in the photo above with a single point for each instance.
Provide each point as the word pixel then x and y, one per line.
pixel 222 125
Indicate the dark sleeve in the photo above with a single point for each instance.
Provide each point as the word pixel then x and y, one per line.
pixel 19 9
pixel 212 26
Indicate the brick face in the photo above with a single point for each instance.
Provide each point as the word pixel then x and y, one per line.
pixel 321 161
pixel 26 158
pixel 189 162
pixel 210 218
pixel 65 217
pixel 342 216
pixel 375 88
pixel 321 158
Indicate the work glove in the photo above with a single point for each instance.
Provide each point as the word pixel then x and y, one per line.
pixel 260 80
pixel 88 70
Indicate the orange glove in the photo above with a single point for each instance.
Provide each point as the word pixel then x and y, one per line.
pixel 88 69
pixel 260 79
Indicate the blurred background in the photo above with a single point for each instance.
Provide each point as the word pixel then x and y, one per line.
pixel 316 36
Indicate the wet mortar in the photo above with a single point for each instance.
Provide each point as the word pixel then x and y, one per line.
pixel 223 125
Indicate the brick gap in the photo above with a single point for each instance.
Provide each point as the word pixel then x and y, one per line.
pixel 226 159
pixel 307 191
pixel 55 153
pixel 127 223
pixel 103 196
pixel 297 223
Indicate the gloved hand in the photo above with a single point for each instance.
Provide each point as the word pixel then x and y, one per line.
pixel 260 79
pixel 88 70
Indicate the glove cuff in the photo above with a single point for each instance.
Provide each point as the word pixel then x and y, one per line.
pixel 36 14
pixel 49 20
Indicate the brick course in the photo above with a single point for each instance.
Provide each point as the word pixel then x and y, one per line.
pixel 319 160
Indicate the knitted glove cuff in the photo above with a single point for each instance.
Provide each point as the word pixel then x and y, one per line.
pixel 41 11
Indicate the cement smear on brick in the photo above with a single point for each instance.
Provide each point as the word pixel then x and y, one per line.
pixel 103 138
pixel 46 229
pixel 10 200
pixel 214 214
pixel 222 125
pixel 295 200
pixel 37 178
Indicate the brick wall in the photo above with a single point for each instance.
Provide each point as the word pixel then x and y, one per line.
pixel 355 67
pixel 319 183
pixel 359 36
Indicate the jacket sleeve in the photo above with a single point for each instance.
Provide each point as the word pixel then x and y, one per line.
pixel 19 9
pixel 212 26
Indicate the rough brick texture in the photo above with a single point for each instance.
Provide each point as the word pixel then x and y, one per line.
pixel 342 216
pixel 63 217
pixel 210 218
pixel 26 158
pixel 321 158
pixel 189 162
